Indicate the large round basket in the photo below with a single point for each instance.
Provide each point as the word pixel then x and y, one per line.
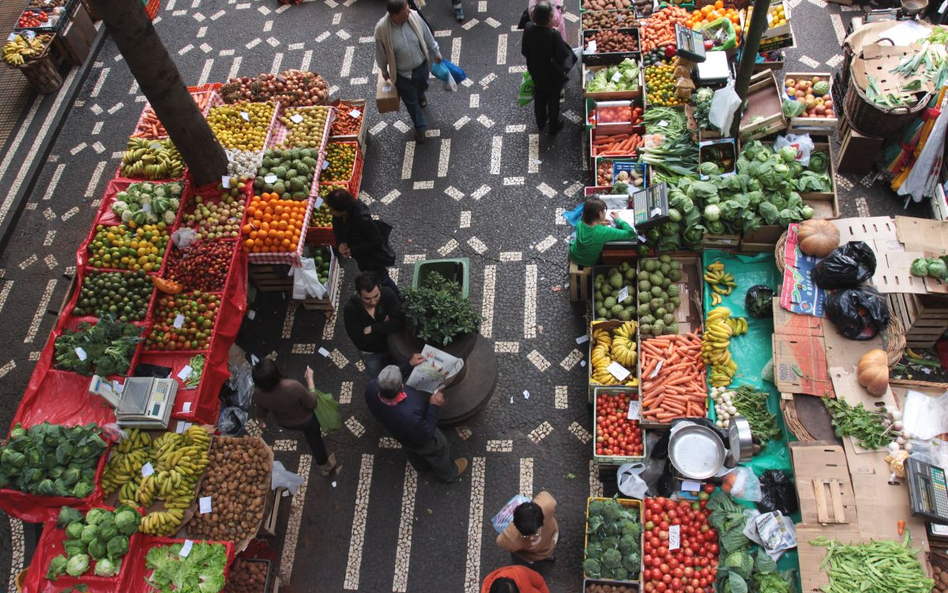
pixel 894 341
pixel 778 251
pixel 873 120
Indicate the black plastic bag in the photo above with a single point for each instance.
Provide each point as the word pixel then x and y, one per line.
pixel 759 301
pixel 858 313
pixel 777 493
pixel 232 422
pixel 847 266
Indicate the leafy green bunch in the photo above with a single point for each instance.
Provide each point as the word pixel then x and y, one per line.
pixel 106 348
pixel 437 312
pixel 100 536
pixel 51 460
pixel 201 571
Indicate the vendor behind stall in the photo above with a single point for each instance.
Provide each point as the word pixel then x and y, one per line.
pixel 594 231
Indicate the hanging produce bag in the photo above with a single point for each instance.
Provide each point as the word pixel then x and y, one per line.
pixel 526 90
pixel 327 412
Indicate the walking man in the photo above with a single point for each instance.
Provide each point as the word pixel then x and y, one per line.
pixel 404 48
pixel 370 316
pixel 549 60
pixel 412 418
pixel 533 534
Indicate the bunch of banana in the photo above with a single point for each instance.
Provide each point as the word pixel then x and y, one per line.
pixel 738 325
pixel 623 348
pixel 617 346
pixel 715 347
pixel 125 464
pixel 162 522
pixel 152 159
pixel 722 283
pixel 21 48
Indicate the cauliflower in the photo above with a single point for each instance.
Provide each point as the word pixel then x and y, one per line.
pixel 169 217
pixel 174 189
pixel 126 216
pixel 119 207
pixel 175 203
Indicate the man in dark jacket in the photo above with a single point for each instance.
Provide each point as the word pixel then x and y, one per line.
pixel 412 418
pixel 372 314
pixel 360 237
pixel 549 60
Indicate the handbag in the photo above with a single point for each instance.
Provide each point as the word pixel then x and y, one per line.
pixel 385 230
pixel 327 412
pixel 524 19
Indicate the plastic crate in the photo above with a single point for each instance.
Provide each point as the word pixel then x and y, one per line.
pixel 628 503
pixel 292 258
pixel 152 8
pixel 353 184
pixel 142 132
pixel 615 460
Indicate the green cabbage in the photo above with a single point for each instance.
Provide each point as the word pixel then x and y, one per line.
pixel 107 567
pixel 118 546
pixel 57 567
pixel 788 153
pixel 818 161
pixel 74 530
pixel 920 267
pixel 66 516
pixel 937 269
pixel 77 565
pixel 793 108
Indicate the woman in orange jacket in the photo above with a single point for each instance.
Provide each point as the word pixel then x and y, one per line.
pixel 514 579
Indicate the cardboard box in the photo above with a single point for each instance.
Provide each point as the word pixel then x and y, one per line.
pixel 857 152
pixel 878 61
pixel 800 364
pixel 386 97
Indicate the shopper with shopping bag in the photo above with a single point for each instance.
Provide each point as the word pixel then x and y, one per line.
pixel 549 60
pixel 360 237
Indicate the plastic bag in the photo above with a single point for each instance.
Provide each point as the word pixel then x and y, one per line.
pixel 802 142
pixel 232 422
pixel 759 301
pixel 527 90
pixel 858 313
pixel 723 106
pixel 574 216
pixel 777 492
pixel 847 266
pixel 440 71
pixel 742 484
pixel 630 480
pixel 457 74
pixel 241 382
pixel 182 238
pixel 721 32
pixel 306 282
pixel 504 516
pixel 327 412
pixel 281 477
pixel 925 417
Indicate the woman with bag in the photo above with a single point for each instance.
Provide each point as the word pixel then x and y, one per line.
pixel 294 408
pixel 549 60
pixel 360 237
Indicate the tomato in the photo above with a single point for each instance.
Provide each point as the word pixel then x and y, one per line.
pixel 713 549
pixel 703 496
pixel 649 525
pixel 709 488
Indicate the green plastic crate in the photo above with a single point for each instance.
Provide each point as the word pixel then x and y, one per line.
pixel 457 269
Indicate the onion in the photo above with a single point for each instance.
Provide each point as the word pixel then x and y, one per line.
pixel 908 447
pixel 893 448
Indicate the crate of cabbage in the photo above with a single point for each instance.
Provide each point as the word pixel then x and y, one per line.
pixel 613 546
pixel 622 81
pixel 288 172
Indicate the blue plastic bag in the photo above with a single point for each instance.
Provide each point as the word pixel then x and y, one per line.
pixel 575 215
pixel 440 70
pixel 455 71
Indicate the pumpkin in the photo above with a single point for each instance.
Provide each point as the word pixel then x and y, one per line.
pixel 818 237
pixel 873 373
pixel 167 286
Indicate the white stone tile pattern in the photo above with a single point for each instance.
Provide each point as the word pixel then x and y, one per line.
pixel 570 361
pixel 463 432
pixel 530 303
pixel 354 426
pixel 296 518
pixel 338 358
pixel 577 430
pixel 472 573
pixel 487 302
pixel 508 256
pixel 561 397
pixel 499 446
pixel 405 522
pixel 507 347
pixel 345 392
pixel 389 443
pixel 538 360
pixel 540 432
pixel 595 486
pixel 526 477
pixel 357 539
pixel 285 445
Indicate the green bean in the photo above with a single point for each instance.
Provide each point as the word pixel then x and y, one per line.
pixel 880 567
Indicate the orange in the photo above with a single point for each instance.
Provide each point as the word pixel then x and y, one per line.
pixel 254 234
pixel 248 243
pixel 719 4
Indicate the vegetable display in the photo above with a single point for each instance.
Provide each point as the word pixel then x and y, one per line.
pixel 242 126
pixel 659 29
pixel 895 567
pixel 813 96
pixel 666 121
pixel 613 548
pixel 341 157
pixel 348 120
pixel 203 266
pixel 246 576
pixel 719 328
pixel 51 460
pixel 868 428
pixel 183 321
pixel 613 79
pixel 124 247
pixel 672 158
pixel 31 19
pixel 615 434
pixel 751 404
pixel 622 144
pixel 695 563
pixel 151 128
pixel 599 588
pixel 306 127
pixel 148 203
pixel 105 348
pixel 607 288
pixel 96 541
pixel 321 217
pixel 216 218
pixel 176 462
pixel 612 41
pixel 615 113
pixel 659 295
pixel 292 88
pixel 197 369
pixel 605 19
pixel 287 173
pixel 273 225
pixel 701 101
pixel 200 571
pixel 237 506
pixel 660 85
pixel 932 266
pixel 673 378
pixel 123 295
pixel 322 259
pixel 151 159
pixel 624 182
pixel 615 346
pixel 606 4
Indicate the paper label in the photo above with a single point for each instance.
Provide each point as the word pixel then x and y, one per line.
pixel 186 548
pixel 582 339
pixel 271 178
pixel 325 165
pixel 205 505
pixel 296 118
pixel 225 181
pixel 185 373
pixel 642 238
pixel 591 47
pixel 663 124
pixel 186 407
pixel 355 114
pixel 245 115
pixel 674 537
pixel 118 387
pixel 617 77
pixel 618 371
pixel 81 353
pixel 179 322
pixel 324 352
pixel 619 16
pixel 690 486
pixel 623 294
pixel 147 470
pixel 180 427
pixel 633 410
pixel 11 37
pixel 319 201
pixel 386 88
pixel 582 363
pixel 658 367
pixel 526 395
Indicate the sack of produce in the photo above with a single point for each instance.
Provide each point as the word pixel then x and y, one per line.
pixel 858 313
pixel 759 301
pixel 848 265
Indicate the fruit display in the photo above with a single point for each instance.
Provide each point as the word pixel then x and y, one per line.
pixel 45 3
pixel 776 15
pixel 613 546
pixel 200 570
pixel 288 172
pixel 941 578
pixel 606 19
pixel 615 434
pixel 241 126
pixel 660 85
pixel 96 541
pixel 614 79
pixel 612 41
pixel 694 563
pixel 623 144
pixel 216 218
pixel 341 157
pixel 273 225
pixel 306 127
pixel 150 127
pixel 237 506
pixel 21 48
pixel 673 378
pixel 247 576
pixel 720 282
pixel 321 217
pixel 615 113
pixel 203 266
pixel 348 120
pixel 708 14
pixel 143 203
pixel 51 459
pixel 163 471
pixel 123 295
pixel 183 321
pixel 659 29
pixel 719 327
pixel 624 182
pixel 606 4
pixel 659 295
pixel 292 88
pixel 751 404
pixel 124 247
pixel 31 19
pixel 813 94
pixel 151 159
pixel 242 164
pixel 660 55
pixel 103 349
pixel 608 286
pixel 613 346
pixel 323 259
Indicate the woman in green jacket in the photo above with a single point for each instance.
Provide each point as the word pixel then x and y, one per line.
pixel 593 232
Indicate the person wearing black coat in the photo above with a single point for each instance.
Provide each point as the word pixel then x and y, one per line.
pixel 360 237
pixel 370 316
pixel 549 60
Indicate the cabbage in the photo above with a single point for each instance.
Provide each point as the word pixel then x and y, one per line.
pixel 57 567
pixel 66 516
pixel 788 153
pixel 937 269
pixel 77 565
pixel 118 546
pixel 127 520
pixel 793 108
pixel 709 168
pixel 712 213
pixel 807 212
pixel 74 530
pixel 920 267
pixel 818 161
pixel 108 567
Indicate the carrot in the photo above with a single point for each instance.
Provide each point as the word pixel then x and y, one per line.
pixel 678 389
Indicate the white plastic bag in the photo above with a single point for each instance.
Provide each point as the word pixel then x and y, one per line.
pixel 283 478
pixel 742 484
pixel 450 85
pixel 306 282
pixel 504 516
pixel 803 143
pixel 925 417
pixel 630 481
pixel 723 106
pixel 182 238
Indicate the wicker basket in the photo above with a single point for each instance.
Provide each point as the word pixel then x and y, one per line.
pixel 779 248
pixel 790 418
pixel 894 340
pixel 871 120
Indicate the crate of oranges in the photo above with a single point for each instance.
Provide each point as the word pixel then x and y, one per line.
pixel 704 16
pixel 275 229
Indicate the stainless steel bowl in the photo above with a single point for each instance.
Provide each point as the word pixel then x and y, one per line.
pixel 696 452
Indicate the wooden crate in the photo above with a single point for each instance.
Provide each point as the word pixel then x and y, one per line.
pixel 825 204
pixel 857 153
pixel 815 126
pixel 360 136
pixel 580 282
pixel 764 99
pixel 712 241
pixel 924 317
pixel 610 58
pixel 763 240
pixel 331 300
pixel 590 71
pixel 271 277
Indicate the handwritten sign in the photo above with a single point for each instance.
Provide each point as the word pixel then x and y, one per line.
pixel 618 371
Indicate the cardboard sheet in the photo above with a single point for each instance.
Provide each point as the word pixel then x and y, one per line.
pixel 799 293
pixel 878 61
pixel 849 390
pixel 800 365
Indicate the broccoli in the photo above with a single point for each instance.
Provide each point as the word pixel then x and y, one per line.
pixel 612 510
pixel 622 574
pixel 594 549
pixel 610 543
pixel 632 563
pixel 595 522
pixel 595 508
pixel 612 559
pixel 591 568
pixel 628 544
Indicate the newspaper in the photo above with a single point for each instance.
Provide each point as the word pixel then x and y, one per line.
pixel 435 371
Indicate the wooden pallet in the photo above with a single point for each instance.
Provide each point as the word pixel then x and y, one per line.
pixel 271 277
pixel 924 317
pixel 329 303
pixel 580 279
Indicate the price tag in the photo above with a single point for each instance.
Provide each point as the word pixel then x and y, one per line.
pixel 296 118
pixel 642 238
pixel 11 37
pixel 30 34
pixel 674 537
pixel 633 410
pixel 146 207
pixel 155 146
pixel 186 408
pixel 619 16
pixel 623 294
pixel 319 201
pixel 147 470
pixel 325 165
pixel 655 212
pixel 617 77
pixel 618 371
pixel 355 114
pixel 251 314
pixel 245 115
pixel 185 373
pixel 582 339
pixel 658 367
pixel 179 321
pixel 180 427
pixel 205 505
pixel 387 88
pixel 225 181
pixel 186 548
pixel 663 124
pixel 324 352
pixel 690 486
pixel 271 178
pixel 591 47
pixel 81 353
pixel 253 359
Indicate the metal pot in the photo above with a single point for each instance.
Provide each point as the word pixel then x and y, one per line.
pixel 696 452
pixel 740 440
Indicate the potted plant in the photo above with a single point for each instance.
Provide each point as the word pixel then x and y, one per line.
pixel 437 313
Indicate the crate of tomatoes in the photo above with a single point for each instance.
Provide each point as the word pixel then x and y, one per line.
pixel 680 547
pixel 618 438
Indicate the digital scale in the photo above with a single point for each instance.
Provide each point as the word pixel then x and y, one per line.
pixel 690 44
pixel 650 206
pixel 714 71
pixel 142 402
pixel 928 491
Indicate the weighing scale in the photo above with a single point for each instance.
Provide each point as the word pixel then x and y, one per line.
pixel 714 71
pixel 142 402
pixel 928 492
pixel 650 206
pixel 690 44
